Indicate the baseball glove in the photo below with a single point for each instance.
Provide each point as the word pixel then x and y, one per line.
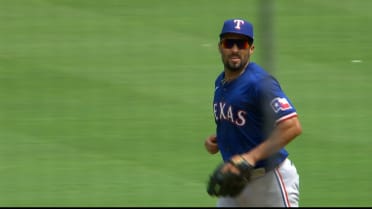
pixel 227 183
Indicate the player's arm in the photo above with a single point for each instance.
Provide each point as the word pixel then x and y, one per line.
pixel 284 132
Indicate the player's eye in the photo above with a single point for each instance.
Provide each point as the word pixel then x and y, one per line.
pixel 229 43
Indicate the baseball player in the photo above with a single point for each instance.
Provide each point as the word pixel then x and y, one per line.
pixel 255 120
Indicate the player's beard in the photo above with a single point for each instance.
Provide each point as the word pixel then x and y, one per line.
pixel 235 66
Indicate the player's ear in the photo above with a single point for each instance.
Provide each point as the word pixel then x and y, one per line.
pixel 219 46
pixel 251 49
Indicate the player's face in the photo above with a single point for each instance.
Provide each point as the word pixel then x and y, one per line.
pixel 235 51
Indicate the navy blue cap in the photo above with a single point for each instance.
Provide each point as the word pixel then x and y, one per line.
pixel 237 26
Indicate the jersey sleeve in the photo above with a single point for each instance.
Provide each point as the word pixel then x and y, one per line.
pixel 273 101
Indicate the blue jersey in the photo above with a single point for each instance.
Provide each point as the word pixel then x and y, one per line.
pixel 246 110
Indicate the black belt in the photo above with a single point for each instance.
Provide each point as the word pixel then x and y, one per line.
pixel 261 171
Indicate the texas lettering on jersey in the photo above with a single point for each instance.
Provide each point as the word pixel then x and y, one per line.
pixel 226 112
pixel 223 111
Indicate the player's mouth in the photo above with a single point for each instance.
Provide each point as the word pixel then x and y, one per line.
pixel 235 59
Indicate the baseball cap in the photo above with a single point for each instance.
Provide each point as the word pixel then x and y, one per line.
pixel 237 26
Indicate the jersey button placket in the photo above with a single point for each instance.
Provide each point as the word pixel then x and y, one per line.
pixel 224 90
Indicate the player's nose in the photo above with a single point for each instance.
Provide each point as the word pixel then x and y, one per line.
pixel 235 48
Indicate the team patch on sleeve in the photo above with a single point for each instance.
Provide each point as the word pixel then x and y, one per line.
pixel 280 104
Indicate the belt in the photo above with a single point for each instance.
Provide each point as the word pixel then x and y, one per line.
pixel 261 171
pixel 258 172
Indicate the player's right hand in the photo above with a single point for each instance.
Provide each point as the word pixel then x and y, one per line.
pixel 211 144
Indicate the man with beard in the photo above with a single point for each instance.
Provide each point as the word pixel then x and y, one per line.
pixel 255 120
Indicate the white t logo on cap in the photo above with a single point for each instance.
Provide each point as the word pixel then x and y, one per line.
pixel 238 23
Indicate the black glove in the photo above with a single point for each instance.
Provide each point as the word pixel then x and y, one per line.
pixel 227 183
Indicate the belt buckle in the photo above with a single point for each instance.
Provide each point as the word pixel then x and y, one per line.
pixel 258 172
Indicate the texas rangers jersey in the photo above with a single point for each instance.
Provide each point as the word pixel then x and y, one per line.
pixel 247 109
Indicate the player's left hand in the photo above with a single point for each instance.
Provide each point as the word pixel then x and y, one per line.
pixel 230 178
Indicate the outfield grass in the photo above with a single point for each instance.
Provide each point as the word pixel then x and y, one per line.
pixel 107 103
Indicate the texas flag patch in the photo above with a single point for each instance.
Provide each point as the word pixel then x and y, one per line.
pixel 280 104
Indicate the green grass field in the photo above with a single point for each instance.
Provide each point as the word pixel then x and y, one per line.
pixel 108 103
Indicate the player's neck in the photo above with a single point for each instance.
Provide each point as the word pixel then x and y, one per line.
pixel 233 74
